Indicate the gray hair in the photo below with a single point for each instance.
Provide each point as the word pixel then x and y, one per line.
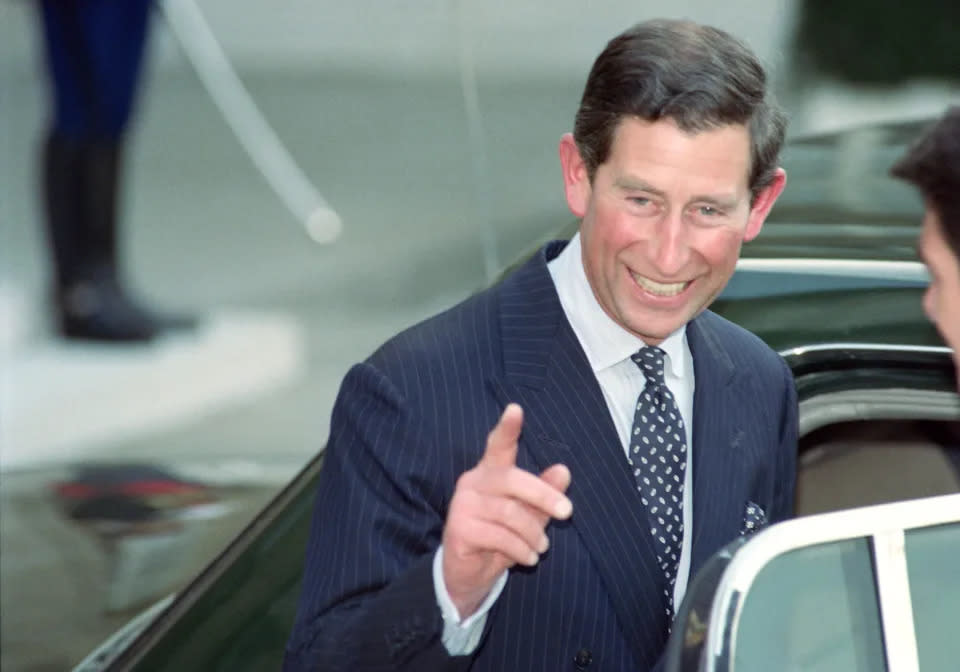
pixel 699 76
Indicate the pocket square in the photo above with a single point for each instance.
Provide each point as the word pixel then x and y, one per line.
pixel 754 519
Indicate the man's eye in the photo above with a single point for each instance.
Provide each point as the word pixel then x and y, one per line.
pixel 639 200
pixel 708 210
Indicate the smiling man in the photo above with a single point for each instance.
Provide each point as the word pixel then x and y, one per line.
pixel 634 432
pixel 933 166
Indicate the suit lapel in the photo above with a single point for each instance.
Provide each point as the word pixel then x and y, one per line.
pixel 567 420
pixel 719 436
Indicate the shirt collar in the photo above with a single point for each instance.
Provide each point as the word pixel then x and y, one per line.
pixel 604 341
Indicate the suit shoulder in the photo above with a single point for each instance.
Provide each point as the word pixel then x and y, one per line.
pixel 470 331
pixel 462 335
pixel 745 348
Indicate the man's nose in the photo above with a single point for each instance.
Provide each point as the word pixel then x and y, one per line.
pixel 670 246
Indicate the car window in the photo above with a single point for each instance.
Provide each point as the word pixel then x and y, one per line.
pixel 813 609
pixel 850 464
pixel 933 564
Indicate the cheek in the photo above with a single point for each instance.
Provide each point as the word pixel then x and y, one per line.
pixel 609 233
pixel 720 248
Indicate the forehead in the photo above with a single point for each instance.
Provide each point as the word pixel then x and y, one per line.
pixel 715 154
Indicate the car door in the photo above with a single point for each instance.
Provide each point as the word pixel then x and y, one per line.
pixel 872 589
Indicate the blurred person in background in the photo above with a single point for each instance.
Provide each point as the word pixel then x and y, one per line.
pixel 932 164
pixel 565 536
pixel 94 51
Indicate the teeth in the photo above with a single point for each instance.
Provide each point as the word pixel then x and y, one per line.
pixel 658 288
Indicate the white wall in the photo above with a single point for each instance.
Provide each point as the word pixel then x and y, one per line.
pixel 506 37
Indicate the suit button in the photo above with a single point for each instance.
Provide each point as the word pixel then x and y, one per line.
pixel 583 659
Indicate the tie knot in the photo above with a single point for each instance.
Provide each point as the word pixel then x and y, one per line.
pixel 650 361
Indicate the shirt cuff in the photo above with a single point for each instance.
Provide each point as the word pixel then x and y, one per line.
pixel 461 638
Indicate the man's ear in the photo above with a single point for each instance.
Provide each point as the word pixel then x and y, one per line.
pixel 576 182
pixel 763 203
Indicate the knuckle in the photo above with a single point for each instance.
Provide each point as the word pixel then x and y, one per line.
pixel 466 535
pixel 468 483
pixel 464 480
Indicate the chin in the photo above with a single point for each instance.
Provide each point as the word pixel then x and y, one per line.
pixel 657 325
pixel 659 332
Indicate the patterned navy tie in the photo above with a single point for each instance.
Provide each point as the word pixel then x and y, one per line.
pixel 658 456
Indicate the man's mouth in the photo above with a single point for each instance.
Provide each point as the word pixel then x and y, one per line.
pixel 659 288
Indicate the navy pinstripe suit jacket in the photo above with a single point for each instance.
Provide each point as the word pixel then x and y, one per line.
pixel 416 414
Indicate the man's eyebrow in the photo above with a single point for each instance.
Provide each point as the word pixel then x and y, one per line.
pixel 724 201
pixel 635 184
pixel 627 183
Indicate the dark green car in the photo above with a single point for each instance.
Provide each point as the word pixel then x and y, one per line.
pixel 832 283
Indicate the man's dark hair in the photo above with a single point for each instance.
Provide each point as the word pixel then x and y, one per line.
pixel 698 76
pixel 932 165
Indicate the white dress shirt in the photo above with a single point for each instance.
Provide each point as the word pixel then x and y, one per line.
pixel 608 348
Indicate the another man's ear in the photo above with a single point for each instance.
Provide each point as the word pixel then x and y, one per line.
pixel 764 201
pixel 576 181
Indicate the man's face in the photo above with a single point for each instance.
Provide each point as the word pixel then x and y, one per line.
pixel 942 299
pixel 664 219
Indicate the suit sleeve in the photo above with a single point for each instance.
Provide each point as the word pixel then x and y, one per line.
pixel 786 460
pixel 367 601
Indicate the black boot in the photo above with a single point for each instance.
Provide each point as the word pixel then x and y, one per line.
pixel 98 309
pixel 62 200
pixel 91 303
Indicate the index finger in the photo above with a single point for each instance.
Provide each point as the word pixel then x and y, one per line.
pixel 501 448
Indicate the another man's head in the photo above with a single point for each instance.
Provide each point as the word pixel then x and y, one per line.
pixel 672 165
pixel 933 166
